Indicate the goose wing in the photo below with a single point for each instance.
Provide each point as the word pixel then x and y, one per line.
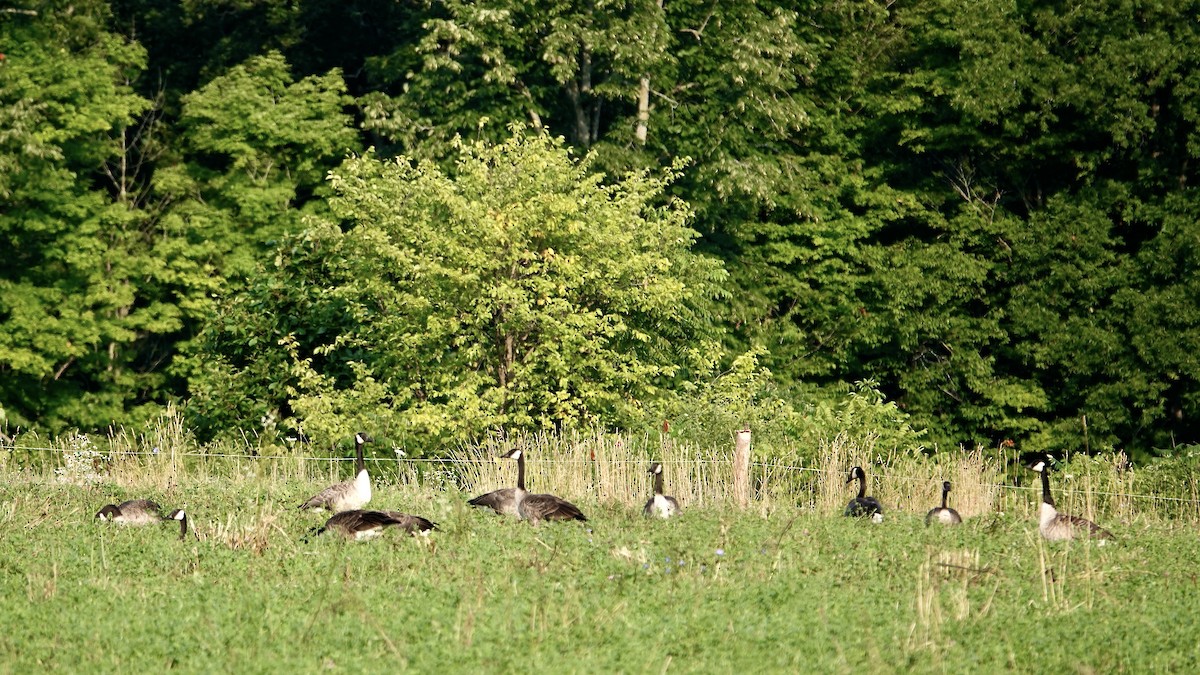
pixel 140 506
pixel 540 507
pixel 139 511
pixel 357 522
pixel 504 501
pixel 330 497
pixel 1086 527
pixel 863 506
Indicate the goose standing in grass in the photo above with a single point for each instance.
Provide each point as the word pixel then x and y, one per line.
pixel 862 505
pixel 505 501
pixel 943 514
pixel 660 505
pixel 347 495
pixel 1056 526
pixel 142 512
pixel 358 525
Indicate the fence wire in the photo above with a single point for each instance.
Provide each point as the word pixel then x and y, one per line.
pixel 401 459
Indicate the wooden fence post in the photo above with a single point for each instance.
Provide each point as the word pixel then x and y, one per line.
pixel 741 468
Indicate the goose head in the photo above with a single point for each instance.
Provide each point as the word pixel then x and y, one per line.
pixel 109 512
pixel 856 474
pixel 655 469
pixel 181 516
pixel 945 486
pixel 362 437
pixel 515 453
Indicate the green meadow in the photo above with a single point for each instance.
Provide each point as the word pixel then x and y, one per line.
pixel 782 585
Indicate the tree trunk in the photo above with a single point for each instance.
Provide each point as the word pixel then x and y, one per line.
pixel 643 114
pixel 579 91
pixel 643 104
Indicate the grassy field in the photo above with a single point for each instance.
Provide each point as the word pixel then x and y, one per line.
pixel 784 586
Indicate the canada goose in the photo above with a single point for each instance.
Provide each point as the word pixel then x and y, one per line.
pixel 538 507
pixel 1056 526
pixel 862 505
pixel 660 505
pixel 506 500
pixel 350 494
pixel 943 514
pixel 358 525
pixel 141 512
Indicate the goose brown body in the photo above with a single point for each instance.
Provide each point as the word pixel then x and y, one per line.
pixel 358 524
pixel 538 507
pixel 660 505
pixel 142 512
pixel 943 514
pixel 862 506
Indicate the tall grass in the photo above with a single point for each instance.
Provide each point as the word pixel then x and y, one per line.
pixel 598 467
pixel 605 468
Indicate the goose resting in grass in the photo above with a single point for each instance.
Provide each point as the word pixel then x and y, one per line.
pixel 505 501
pixel 1056 526
pixel 943 514
pixel 660 505
pixel 863 506
pixel 358 525
pixel 519 502
pixel 142 512
pixel 347 495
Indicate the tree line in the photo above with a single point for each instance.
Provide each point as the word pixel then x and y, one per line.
pixel 452 217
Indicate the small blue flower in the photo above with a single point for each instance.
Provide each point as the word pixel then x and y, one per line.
pixel 720 551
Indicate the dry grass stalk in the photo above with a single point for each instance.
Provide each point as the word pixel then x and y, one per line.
pixel 253 534
pixel 606 468
pixel 943 588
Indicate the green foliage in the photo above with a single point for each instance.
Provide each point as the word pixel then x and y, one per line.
pixel 787 426
pixel 82 303
pixel 561 66
pixel 258 145
pixel 519 291
pixel 984 208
